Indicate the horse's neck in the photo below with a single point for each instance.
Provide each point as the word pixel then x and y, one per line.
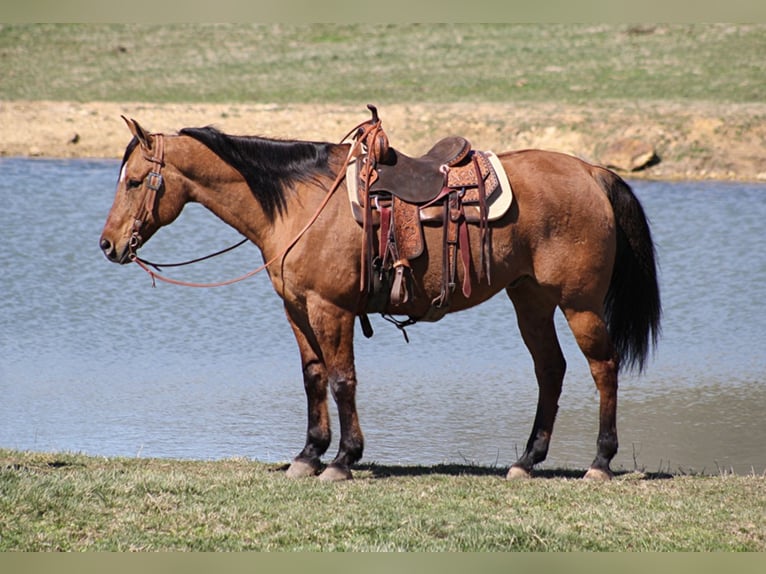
pixel 228 196
pixel 222 190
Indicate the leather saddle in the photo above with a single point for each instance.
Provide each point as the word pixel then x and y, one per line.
pixel 393 193
pixel 419 180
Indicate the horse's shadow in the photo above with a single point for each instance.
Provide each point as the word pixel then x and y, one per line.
pixel 384 471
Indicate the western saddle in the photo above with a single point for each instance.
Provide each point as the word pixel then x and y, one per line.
pixel 390 191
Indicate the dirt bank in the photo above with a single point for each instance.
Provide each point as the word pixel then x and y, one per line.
pixel 691 141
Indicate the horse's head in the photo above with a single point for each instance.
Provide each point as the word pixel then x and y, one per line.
pixel 149 195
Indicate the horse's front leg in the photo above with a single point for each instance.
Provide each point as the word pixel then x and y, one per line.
pixel 342 380
pixel 318 433
pixel 336 329
pixel 325 339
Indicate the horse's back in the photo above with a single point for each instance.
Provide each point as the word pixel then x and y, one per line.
pixel 559 175
pixel 557 191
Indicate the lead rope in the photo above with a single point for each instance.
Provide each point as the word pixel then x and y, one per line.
pixel 361 135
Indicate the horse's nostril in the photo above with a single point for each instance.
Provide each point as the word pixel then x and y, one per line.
pixel 106 245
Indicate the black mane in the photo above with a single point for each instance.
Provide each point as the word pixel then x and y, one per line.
pixel 267 165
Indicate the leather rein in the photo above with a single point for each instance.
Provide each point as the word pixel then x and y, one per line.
pixel 154 181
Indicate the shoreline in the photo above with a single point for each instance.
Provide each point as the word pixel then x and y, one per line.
pixel 692 141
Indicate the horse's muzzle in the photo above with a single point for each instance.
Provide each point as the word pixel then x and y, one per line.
pixel 111 253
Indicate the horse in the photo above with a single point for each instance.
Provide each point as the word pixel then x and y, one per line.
pixel 575 238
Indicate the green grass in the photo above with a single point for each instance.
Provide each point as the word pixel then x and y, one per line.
pixel 73 503
pixel 382 63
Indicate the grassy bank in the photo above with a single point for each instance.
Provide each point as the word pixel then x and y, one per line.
pixel 73 502
pixel 382 63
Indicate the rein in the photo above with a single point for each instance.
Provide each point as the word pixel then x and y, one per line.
pixel 154 181
pixel 159 266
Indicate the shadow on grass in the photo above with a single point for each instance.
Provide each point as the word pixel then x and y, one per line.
pixel 386 471
pixel 382 471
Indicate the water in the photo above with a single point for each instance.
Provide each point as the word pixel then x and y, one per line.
pixel 94 360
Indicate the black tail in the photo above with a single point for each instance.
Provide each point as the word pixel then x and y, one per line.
pixel 632 306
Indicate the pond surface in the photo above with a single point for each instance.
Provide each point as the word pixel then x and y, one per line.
pixel 94 360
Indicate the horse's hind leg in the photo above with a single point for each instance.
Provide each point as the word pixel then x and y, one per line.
pixel 534 312
pixel 592 336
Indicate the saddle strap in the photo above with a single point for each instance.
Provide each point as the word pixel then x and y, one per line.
pixel 465 252
pixel 484 267
pixel 368 174
pixel 459 227
pixel 456 240
pixel 385 231
pixel 368 246
pixel 374 140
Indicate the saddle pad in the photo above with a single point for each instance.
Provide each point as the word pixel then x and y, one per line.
pixel 497 204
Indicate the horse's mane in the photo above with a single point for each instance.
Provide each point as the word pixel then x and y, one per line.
pixel 129 150
pixel 267 165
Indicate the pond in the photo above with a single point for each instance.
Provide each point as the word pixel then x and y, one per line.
pixel 95 360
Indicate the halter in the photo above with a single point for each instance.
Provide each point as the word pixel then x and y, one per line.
pixel 152 184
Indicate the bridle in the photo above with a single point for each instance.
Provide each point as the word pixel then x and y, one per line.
pixel 154 182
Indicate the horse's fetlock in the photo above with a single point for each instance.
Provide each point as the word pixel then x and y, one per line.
pixel 317 443
pixel 349 456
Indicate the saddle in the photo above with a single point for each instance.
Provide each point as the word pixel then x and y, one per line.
pixel 451 185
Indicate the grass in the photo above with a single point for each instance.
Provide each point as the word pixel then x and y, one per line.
pixel 382 63
pixel 73 503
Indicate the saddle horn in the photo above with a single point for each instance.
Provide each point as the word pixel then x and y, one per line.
pixel 377 142
pixel 374 111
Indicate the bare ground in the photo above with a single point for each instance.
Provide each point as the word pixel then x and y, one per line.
pixel 692 141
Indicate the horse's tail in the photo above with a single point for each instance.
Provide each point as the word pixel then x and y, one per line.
pixel 632 306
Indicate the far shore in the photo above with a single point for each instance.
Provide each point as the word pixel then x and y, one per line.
pixel 696 141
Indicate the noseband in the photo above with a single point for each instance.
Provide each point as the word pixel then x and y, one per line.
pixel 152 184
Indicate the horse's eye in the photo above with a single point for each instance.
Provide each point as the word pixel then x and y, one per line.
pixel 133 183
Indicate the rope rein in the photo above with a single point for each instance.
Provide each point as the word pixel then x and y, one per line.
pixel 159 266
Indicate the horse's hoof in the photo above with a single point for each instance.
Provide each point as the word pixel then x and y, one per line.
pixel 598 474
pixel 335 473
pixel 516 472
pixel 301 469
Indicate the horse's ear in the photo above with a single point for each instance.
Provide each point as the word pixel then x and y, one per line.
pixel 143 136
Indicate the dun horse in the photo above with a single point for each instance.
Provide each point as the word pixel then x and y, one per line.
pixel 575 237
